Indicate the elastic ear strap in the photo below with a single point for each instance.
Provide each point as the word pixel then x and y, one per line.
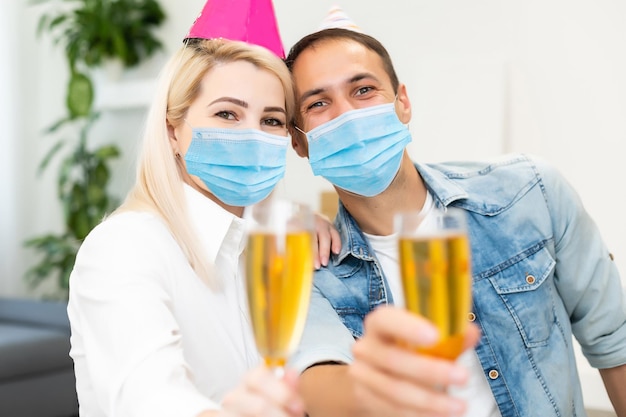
pixel 299 130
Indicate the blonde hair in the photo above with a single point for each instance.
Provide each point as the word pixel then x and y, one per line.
pixel 159 184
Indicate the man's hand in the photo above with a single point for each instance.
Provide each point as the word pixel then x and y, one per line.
pixel 391 380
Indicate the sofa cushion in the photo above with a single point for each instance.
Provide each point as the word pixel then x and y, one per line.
pixel 31 350
pixel 35 312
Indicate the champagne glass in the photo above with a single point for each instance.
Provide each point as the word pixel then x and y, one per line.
pixel 435 269
pixel 279 272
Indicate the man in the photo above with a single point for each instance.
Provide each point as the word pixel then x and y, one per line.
pixel 541 271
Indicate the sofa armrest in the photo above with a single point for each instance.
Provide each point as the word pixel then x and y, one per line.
pixel 35 312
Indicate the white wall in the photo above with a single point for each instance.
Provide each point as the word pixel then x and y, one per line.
pixel 485 77
pixel 8 156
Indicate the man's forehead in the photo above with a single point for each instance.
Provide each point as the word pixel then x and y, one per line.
pixel 337 61
pixel 333 46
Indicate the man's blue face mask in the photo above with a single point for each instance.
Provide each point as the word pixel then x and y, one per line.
pixel 361 150
pixel 239 166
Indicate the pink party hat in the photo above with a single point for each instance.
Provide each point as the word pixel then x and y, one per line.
pixel 337 18
pixel 251 21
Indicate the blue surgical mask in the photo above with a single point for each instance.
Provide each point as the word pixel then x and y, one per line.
pixel 239 166
pixel 361 150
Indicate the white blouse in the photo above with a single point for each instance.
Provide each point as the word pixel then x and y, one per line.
pixel 149 338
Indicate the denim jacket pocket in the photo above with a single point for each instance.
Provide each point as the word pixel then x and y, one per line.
pixel 523 285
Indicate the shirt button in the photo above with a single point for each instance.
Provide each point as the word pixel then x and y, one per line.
pixel 530 279
pixel 611 256
pixel 471 316
pixel 493 374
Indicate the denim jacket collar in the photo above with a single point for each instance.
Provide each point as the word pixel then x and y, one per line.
pixel 353 242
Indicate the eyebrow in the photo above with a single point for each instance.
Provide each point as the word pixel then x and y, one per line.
pixel 231 100
pixel 278 109
pixel 362 76
pixel 355 78
pixel 244 104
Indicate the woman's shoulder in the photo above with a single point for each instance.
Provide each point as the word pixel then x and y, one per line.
pixel 129 233
pixel 131 224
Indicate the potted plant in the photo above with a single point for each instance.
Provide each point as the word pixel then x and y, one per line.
pixel 92 32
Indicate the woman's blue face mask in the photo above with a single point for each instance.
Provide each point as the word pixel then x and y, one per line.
pixel 239 166
pixel 361 150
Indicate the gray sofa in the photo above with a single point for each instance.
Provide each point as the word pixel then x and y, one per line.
pixel 36 372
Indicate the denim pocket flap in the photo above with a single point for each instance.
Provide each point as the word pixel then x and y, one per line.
pixel 524 272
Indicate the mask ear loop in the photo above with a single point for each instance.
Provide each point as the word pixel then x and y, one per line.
pixel 299 130
pixel 395 99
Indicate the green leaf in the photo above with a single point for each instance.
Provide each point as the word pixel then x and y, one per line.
pixel 41 241
pixel 59 254
pixel 48 157
pixel 79 95
pixel 54 127
pixel 64 176
pixel 107 152
pixel 80 224
pixel 100 175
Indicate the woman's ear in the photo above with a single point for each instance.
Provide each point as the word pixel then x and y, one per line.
pixel 298 141
pixel 403 105
pixel 171 134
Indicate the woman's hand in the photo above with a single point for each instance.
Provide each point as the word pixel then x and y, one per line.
pixel 328 240
pixel 261 393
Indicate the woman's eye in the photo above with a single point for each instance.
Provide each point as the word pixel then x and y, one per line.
pixel 273 122
pixel 228 115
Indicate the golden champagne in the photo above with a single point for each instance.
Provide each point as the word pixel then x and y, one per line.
pixel 437 285
pixel 279 273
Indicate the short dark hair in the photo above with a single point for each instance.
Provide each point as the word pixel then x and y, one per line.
pixel 345 34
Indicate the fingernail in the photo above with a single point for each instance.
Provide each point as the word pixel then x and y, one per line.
pixel 295 407
pixel 458 375
pixel 324 260
pixel 430 335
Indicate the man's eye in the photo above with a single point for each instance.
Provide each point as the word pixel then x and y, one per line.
pixel 315 104
pixel 228 115
pixel 363 90
pixel 273 122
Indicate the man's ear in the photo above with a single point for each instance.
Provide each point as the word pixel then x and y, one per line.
pixel 299 141
pixel 403 105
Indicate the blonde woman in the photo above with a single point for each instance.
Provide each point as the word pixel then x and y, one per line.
pixel 159 326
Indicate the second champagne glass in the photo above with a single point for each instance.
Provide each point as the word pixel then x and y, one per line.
pixel 435 269
pixel 279 271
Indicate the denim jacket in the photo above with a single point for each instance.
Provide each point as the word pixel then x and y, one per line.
pixel 541 273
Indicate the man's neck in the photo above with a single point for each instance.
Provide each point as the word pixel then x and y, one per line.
pixel 374 215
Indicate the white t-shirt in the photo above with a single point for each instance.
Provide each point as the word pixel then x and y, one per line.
pixel 477 393
pixel 149 337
